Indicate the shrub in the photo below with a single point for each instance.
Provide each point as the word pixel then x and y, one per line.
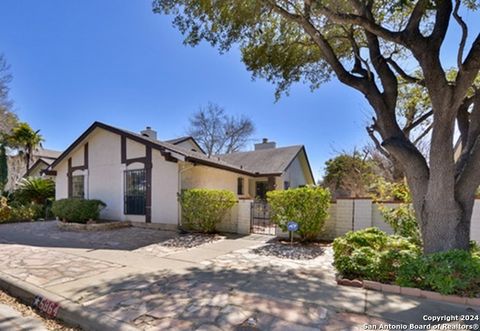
pixel 308 206
pixel 17 212
pixel 371 254
pixel 5 209
pixel 403 222
pixel 77 210
pixel 203 209
pixel 25 213
pixel 452 272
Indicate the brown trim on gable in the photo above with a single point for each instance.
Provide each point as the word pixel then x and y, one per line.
pixel 71 169
pixel 136 159
pixel 148 165
pixel 148 178
pixel 69 178
pixel 34 166
pixel 123 149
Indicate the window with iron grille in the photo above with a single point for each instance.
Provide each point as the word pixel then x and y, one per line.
pixel 240 186
pixel 135 192
pixel 78 187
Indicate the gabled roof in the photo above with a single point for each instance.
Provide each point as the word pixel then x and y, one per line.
pixel 45 161
pixel 272 160
pixel 180 140
pixel 47 153
pixel 162 146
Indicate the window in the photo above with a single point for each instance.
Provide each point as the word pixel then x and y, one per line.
pixel 78 187
pixel 240 186
pixel 286 185
pixel 135 192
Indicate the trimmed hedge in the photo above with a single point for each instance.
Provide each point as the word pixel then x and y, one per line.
pixel 308 206
pixel 77 210
pixel 203 209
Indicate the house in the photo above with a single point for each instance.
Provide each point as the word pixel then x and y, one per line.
pixel 42 158
pixel 139 176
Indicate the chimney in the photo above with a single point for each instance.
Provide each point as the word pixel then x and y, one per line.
pixel 265 144
pixel 149 133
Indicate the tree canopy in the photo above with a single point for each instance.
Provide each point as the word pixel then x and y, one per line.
pixel 369 45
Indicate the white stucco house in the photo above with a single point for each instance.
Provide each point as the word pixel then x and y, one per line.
pixel 139 176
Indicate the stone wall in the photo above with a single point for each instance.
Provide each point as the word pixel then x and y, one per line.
pixel 344 215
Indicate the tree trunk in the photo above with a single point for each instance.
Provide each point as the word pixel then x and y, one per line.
pixel 444 226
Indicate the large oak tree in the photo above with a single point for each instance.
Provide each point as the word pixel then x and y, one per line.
pixel 367 45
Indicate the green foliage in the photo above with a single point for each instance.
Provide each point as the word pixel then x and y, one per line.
pixel 36 189
pixel 25 213
pixel 403 222
pixel 18 213
pixel 26 140
pixel 371 254
pixel 452 272
pixel 308 206
pixel 384 190
pixel 3 165
pixel 349 175
pixel 77 210
pixel 203 209
pixel 5 210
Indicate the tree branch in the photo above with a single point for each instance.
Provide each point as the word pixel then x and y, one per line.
pixel 418 121
pixel 413 25
pixel 464 28
pixel 403 74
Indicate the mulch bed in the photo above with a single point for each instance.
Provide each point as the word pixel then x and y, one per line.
pixel 284 249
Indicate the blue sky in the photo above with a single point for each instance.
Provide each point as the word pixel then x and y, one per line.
pixel 75 62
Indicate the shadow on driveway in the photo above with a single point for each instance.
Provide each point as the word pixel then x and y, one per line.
pixel 47 234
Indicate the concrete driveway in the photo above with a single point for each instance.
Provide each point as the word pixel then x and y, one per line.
pixel 129 279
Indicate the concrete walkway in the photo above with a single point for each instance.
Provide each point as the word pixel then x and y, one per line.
pixel 227 284
pixel 10 319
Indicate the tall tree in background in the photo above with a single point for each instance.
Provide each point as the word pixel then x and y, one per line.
pixel 219 133
pixel 367 44
pixel 350 175
pixel 7 119
pixel 26 140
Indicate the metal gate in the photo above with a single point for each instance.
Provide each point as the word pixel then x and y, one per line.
pixel 260 219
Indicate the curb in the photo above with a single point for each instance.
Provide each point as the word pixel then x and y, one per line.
pixel 409 291
pixel 70 312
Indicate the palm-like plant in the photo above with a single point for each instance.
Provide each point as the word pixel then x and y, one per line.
pixel 26 140
pixel 36 190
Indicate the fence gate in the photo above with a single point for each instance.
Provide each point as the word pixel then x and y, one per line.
pixel 260 219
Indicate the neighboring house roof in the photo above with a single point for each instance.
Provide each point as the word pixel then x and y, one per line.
pixel 180 140
pixel 45 162
pixel 46 153
pixel 284 158
pixel 272 160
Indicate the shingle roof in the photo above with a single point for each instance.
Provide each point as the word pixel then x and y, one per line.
pixel 255 163
pixel 178 140
pixel 47 153
pixel 264 161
